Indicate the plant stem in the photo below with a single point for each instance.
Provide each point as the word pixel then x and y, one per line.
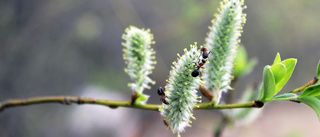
pixel 299 89
pixel 108 103
pixel 312 82
pixel 227 106
pixel 76 100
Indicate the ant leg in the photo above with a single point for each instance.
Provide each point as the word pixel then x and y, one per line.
pixel 208 54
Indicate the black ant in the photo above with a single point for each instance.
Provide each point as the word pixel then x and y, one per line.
pixel 163 96
pixel 205 55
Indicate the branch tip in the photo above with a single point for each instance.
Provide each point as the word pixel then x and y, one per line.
pixel 313 81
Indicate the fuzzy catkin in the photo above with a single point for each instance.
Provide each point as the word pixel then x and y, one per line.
pixel 222 42
pixel 139 57
pixel 181 90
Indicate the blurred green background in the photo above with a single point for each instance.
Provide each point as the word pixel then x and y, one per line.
pixel 73 47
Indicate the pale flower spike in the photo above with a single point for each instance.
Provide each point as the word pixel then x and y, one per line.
pixel 181 93
pixel 222 42
pixel 139 57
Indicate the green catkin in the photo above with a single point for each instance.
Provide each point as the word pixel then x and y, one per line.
pixel 139 56
pixel 222 41
pixel 181 92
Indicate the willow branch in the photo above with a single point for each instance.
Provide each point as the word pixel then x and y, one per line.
pixel 299 89
pixel 312 82
pixel 76 100
pixel 109 103
pixel 227 106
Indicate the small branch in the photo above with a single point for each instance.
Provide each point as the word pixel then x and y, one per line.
pixel 310 83
pixel 227 106
pixel 300 89
pixel 110 103
pixel 76 100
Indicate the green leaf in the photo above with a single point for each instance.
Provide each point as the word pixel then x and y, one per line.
pixel 318 97
pixel 142 98
pixel 249 66
pixel 312 91
pixel 278 70
pixel 277 59
pixel 240 60
pixel 286 96
pixel 312 102
pixel 290 65
pixel 269 84
pixel 318 70
pixel 241 65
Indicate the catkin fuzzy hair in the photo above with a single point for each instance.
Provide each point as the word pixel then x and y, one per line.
pixel 222 42
pixel 181 90
pixel 139 57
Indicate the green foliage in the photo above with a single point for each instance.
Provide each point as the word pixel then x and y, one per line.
pixel 277 59
pixel 276 76
pixel 312 91
pixel 290 65
pixel 242 66
pixel 312 102
pixel 278 70
pixel 225 62
pixel 318 70
pixel 285 96
pixel 311 97
pixel 269 84
pixel 142 98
